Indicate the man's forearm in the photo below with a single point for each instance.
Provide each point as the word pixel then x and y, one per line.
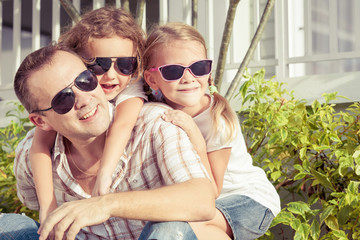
pixel 193 200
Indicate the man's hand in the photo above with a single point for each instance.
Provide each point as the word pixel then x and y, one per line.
pixel 70 217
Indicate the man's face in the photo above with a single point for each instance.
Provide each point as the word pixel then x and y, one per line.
pixel 90 115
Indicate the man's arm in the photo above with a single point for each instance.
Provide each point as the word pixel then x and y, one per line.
pixel 188 196
pixel 192 200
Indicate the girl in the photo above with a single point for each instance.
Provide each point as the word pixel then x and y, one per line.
pixel 111 44
pixel 177 68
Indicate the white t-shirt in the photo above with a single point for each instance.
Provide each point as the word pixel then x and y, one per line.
pixel 133 89
pixel 241 176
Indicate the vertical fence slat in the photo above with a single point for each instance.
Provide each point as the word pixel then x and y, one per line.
pixel 280 36
pixel 1 17
pixel 77 5
pixel 55 20
pixel 256 20
pixel 35 25
pixel 17 35
pixel 356 22
pixel 163 11
pixel 143 23
pixel 118 3
pixel 98 4
pixel 333 19
pixel 210 29
pixel 307 28
pixel 187 11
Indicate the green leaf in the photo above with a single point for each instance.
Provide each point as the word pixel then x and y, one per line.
pixel 283 217
pixel 345 162
pixel 344 214
pixel 284 134
pixel 243 90
pixel 275 175
pixel 275 138
pixel 332 222
pixel 323 179
pixel 300 176
pixel 303 152
pixel 340 235
pixel 353 187
pixel 299 208
pixel 315 229
pixel 302 232
pixel 326 213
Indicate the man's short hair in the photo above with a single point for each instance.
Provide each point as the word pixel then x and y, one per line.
pixel 32 63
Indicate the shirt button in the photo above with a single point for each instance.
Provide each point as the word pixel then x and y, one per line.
pixel 134 181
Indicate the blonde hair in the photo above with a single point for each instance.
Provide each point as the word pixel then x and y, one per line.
pixel 105 22
pixel 162 35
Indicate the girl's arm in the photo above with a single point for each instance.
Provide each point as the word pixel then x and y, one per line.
pixel 219 160
pixel 40 159
pixel 187 123
pixel 125 117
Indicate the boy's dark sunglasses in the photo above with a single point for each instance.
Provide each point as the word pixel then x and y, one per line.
pixel 173 72
pixel 126 65
pixel 64 100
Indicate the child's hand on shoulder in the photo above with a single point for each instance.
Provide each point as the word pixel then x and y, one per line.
pixel 102 184
pixel 180 119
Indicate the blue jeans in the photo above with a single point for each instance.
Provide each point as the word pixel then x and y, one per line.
pixel 167 231
pixel 247 218
pixel 18 227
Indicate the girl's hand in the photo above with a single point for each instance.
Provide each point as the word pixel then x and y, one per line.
pixel 180 119
pixel 187 123
pixel 102 184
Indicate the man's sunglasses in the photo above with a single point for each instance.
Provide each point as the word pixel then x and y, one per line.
pixel 126 65
pixel 64 100
pixel 173 72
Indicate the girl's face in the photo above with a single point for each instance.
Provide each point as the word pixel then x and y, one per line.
pixel 187 93
pixel 112 81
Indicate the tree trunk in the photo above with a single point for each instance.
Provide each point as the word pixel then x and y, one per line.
pixel 225 42
pixel 71 10
pixel 249 54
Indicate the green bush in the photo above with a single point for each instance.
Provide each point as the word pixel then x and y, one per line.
pixel 309 151
pixel 312 152
pixel 10 136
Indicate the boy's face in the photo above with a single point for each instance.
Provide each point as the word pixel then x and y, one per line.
pixel 112 81
pixel 89 116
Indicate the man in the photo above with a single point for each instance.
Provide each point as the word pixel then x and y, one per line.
pixel 159 154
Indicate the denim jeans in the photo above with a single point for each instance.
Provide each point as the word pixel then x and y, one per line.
pixel 18 227
pixel 167 231
pixel 247 218
pixel 21 227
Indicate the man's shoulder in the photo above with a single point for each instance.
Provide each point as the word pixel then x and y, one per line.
pixel 153 110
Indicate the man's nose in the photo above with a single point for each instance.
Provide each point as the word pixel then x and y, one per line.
pixel 82 98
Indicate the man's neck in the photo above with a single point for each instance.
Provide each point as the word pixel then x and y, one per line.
pixel 84 156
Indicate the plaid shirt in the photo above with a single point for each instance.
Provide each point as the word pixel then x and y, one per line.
pixel 158 154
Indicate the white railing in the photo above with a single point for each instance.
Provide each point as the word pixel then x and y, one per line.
pixel 275 51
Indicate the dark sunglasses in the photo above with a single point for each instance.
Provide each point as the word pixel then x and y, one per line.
pixel 173 72
pixel 126 65
pixel 64 100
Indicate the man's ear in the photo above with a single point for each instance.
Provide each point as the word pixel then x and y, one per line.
pixel 39 121
pixel 150 79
